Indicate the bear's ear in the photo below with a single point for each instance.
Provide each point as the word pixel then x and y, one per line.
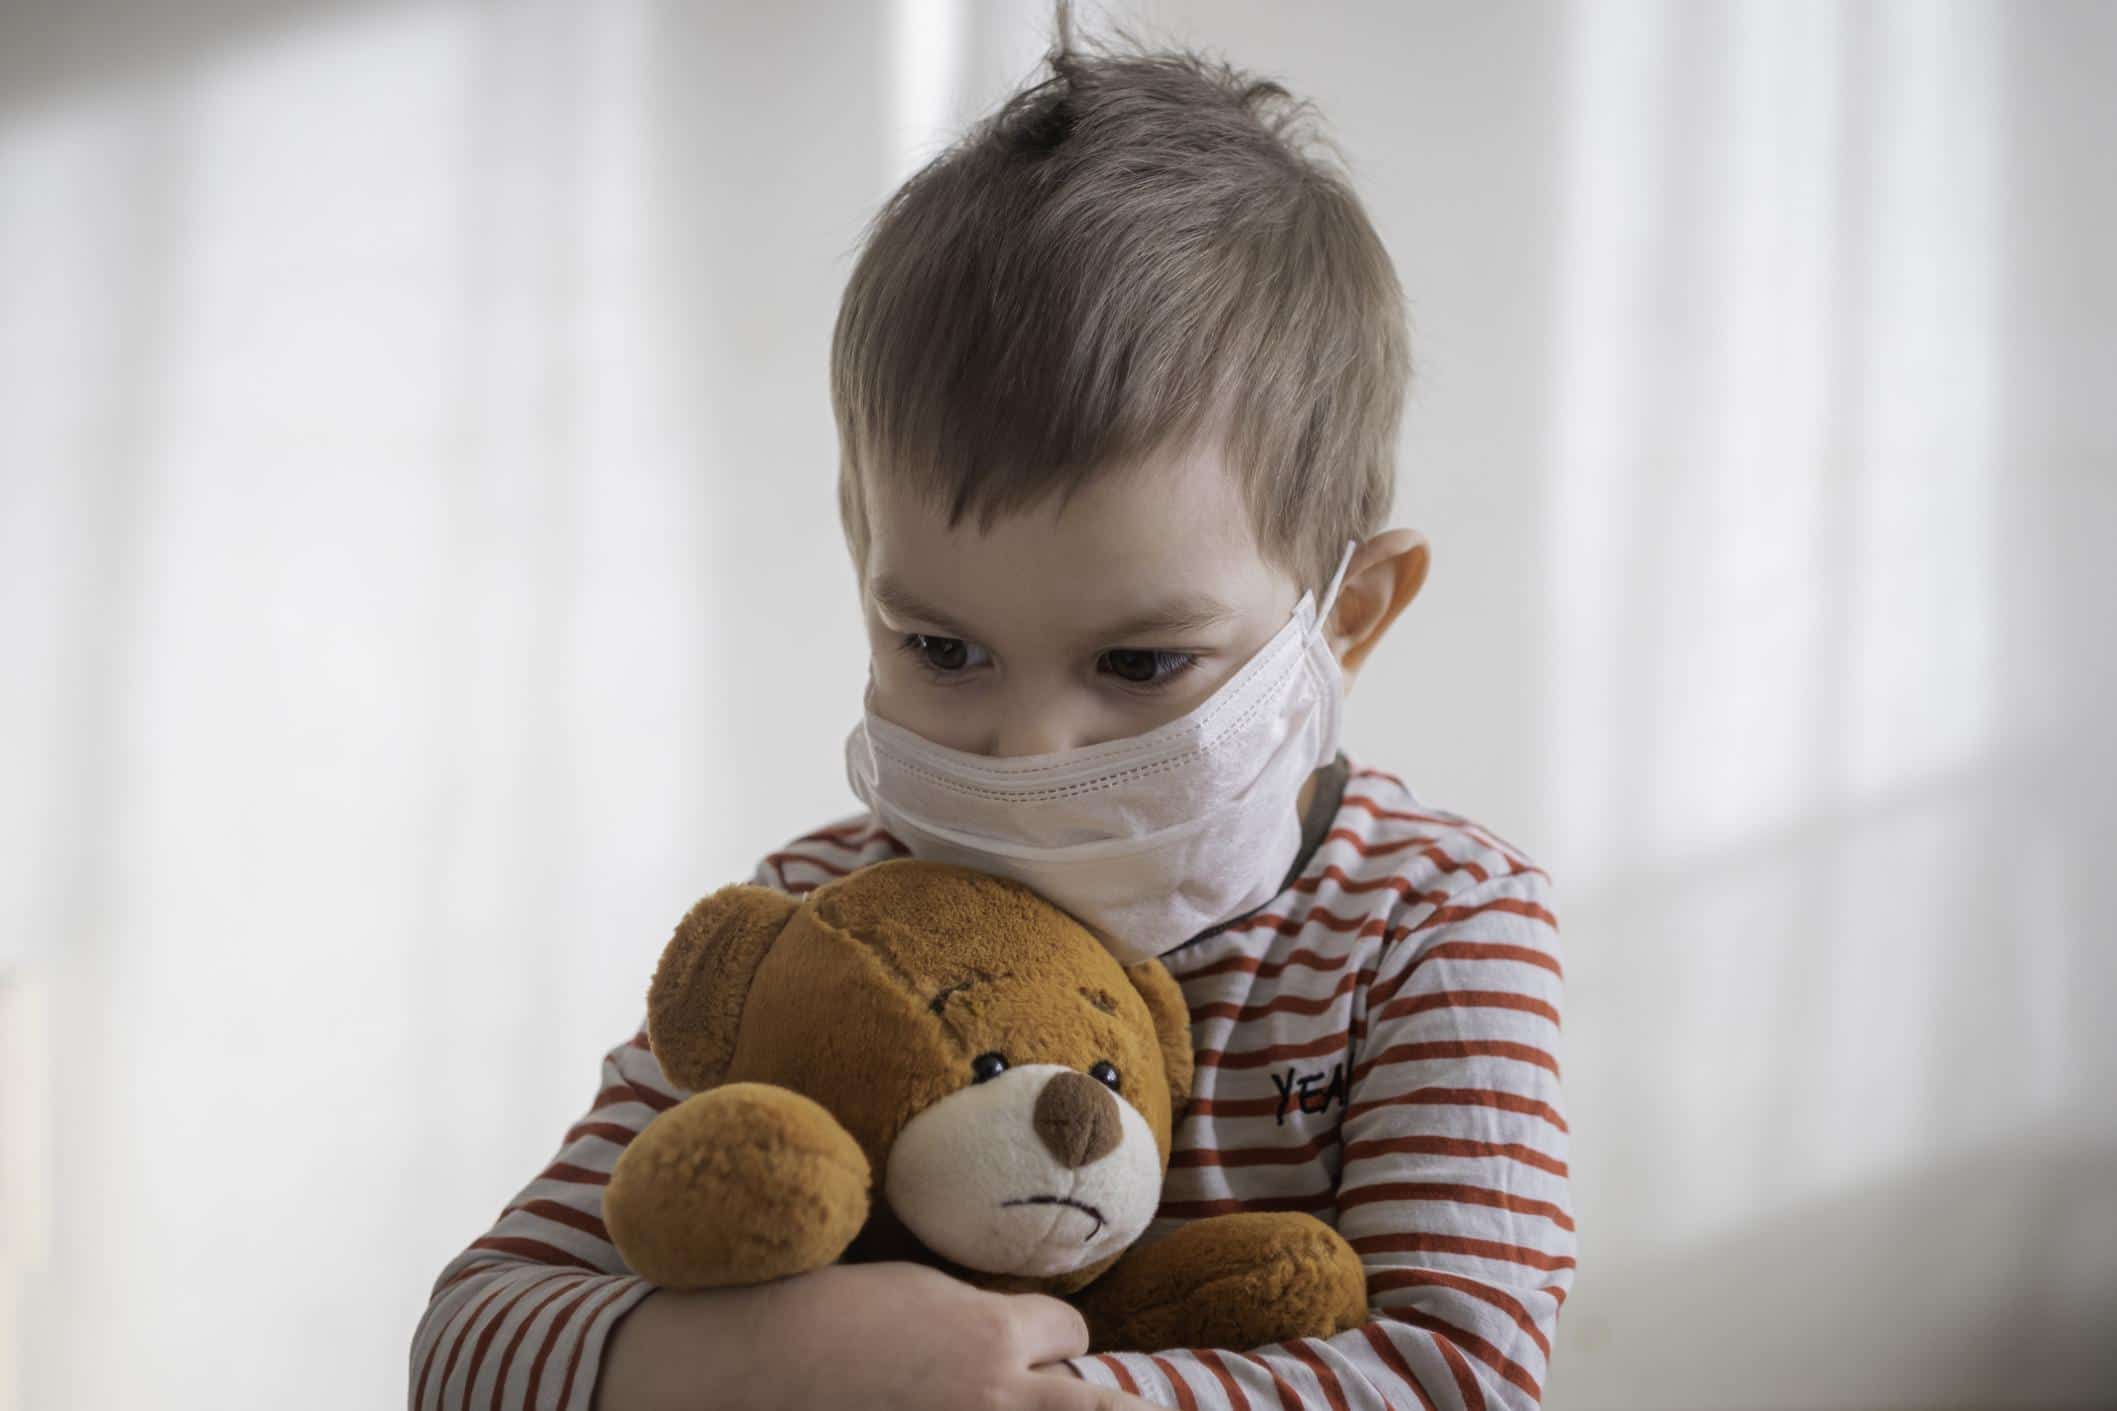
pixel 1172 1026
pixel 694 1005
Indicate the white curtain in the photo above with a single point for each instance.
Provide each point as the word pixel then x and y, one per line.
pixel 420 579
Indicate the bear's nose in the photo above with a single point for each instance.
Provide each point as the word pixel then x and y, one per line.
pixel 1077 1119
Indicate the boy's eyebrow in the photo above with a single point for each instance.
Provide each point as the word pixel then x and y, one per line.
pixel 899 601
pixel 1186 612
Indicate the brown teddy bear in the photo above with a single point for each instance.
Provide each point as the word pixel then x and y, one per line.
pixel 959 1047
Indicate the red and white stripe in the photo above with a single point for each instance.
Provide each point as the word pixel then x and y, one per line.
pixel 1416 956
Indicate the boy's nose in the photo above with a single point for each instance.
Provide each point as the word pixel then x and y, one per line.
pixel 1032 737
pixel 1077 1119
pixel 1036 728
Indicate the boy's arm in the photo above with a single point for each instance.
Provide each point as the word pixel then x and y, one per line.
pixel 1453 1189
pixel 521 1318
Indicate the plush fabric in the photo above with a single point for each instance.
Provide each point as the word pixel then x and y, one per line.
pixel 695 1002
pixel 920 1061
pixel 792 1186
pixel 1072 1198
pixel 1238 1281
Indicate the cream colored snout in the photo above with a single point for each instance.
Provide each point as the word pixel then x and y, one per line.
pixel 1039 1171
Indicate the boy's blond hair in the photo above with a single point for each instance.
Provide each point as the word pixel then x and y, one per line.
pixel 1135 251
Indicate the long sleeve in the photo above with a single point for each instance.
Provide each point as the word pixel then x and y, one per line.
pixel 520 1318
pixel 1453 1185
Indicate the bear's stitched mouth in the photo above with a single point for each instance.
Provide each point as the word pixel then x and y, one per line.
pixel 1082 1206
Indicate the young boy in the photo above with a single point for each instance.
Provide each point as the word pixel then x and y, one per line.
pixel 1118 381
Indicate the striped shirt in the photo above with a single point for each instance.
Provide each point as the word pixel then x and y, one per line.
pixel 1376 1046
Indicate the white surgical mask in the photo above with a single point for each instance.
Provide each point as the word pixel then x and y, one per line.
pixel 1147 840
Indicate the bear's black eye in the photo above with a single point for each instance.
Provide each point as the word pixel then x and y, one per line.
pixel 1105 1073
pixel 987 1065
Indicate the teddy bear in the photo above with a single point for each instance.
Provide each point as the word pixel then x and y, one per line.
pixel 919 1061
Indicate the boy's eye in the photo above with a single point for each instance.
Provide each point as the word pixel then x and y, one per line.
pixel 942 655
pixel 946 658
pixel 1142 667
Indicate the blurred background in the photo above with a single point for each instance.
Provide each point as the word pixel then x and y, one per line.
pixel 419 579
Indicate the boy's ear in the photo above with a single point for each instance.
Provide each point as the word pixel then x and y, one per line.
pixel 1172 1026
pixel 694 1005
pixel 1385 574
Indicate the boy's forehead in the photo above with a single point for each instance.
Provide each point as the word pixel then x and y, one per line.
pixel 1170 533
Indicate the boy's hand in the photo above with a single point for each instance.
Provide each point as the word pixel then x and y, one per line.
pixel 890 1337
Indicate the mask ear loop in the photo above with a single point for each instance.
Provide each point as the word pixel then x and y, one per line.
pixel 1333 687
pixel 1337 579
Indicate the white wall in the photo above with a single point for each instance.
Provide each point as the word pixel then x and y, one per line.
pixel 419 574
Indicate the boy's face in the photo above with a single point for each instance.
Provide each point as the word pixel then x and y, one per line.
pixel 1063 629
